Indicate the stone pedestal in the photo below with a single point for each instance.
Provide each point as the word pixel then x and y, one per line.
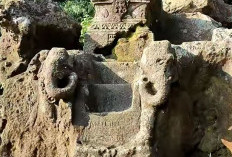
pixel 113 17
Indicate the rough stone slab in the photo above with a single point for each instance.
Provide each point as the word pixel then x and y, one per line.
pixel 115 72
pixel 173 6
pixel 190 27
pixel 109 97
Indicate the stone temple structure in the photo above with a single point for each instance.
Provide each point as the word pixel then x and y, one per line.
pixel 143 98
pixel 113 17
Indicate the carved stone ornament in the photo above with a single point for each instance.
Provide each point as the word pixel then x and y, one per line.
pixel 120 7
pixel 112 18
pixel 113 106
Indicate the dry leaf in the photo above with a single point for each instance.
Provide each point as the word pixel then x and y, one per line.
pixel 227 144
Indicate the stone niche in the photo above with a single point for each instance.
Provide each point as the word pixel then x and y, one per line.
pixel 111 112
pixel 112 17
pixel 116 106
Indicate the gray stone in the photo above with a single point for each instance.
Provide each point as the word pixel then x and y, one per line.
pixel 190 27
pixel 115 72
pixel 109 98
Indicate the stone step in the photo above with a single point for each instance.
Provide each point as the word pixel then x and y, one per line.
pixel 115 72
pixel 109 98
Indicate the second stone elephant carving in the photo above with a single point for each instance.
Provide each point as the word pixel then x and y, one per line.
pixel 159 72
pixel 58 75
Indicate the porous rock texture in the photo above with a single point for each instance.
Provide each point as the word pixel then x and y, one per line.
pixel 188 27
pixel 28 27
pixel 162 89
pixel 220 10
pixel 171 6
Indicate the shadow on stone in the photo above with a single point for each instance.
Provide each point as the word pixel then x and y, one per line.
pixel 191 123
pixel 107 93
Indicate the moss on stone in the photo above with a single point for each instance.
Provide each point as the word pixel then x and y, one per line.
pixel 131 48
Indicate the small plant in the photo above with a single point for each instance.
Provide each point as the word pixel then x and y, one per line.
pixel 85 24
pixel 82 11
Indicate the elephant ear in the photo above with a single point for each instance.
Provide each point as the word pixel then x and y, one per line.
pixel 37 61
pixel 227 144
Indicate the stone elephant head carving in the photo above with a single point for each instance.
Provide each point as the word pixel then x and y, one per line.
pixel 158 70
pixel 58 74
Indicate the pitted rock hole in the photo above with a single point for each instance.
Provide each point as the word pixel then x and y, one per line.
pixel 1 89
pixel 3 123
pixel 145 79
pixel 109 98
pixel 63 82
pixel 228 2
pixel 150 88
